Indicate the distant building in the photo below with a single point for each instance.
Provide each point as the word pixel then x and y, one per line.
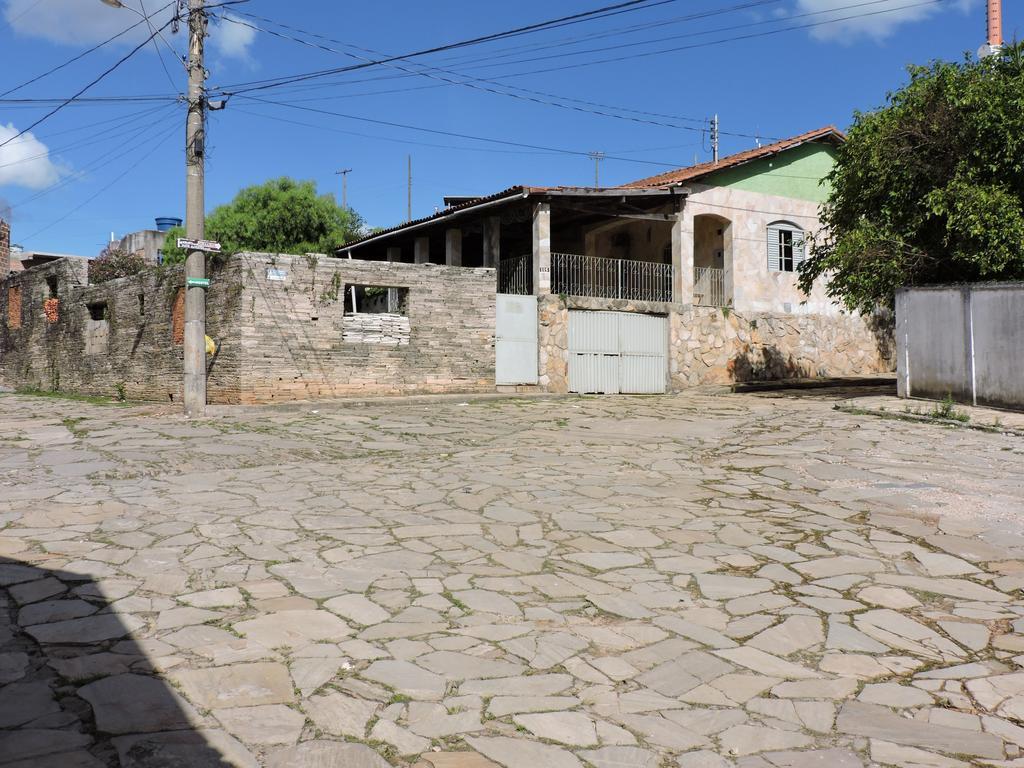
pixel 149 243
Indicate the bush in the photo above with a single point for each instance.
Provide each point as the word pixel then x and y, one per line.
pixel 113 263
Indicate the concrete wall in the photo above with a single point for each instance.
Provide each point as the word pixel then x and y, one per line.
pixel 965 342
pixel 132 350
pixel 709 346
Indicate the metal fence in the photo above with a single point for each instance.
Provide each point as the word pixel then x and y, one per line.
pixel 515 275
pixel 576 275
pixel 709 287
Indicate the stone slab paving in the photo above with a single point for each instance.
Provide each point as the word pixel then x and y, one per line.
pixel 755 581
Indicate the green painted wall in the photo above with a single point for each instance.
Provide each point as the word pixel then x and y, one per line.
pixel 794 173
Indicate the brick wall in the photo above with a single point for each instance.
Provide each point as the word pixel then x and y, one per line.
pixel 280 339
pixel 5 248
pixel 128 347
pixel 299 342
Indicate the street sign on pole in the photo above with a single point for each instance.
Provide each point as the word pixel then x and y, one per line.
pixel 208 246
pixel 198 282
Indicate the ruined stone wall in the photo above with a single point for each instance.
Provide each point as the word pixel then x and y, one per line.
pixel 710 346
pixel 300 343
pixel 111 339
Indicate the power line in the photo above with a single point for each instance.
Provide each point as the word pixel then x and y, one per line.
pixel 73 59
pixel 106 72
pixel 576 18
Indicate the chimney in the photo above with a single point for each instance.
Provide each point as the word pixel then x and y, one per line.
pixel 994 41
pixel 5 247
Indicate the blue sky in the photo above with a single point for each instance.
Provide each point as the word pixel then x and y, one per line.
pixel 94 169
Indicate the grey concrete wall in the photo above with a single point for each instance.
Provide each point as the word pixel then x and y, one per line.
pixel 966 342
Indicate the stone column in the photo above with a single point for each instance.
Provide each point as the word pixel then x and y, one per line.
pixel 421 250
pixel 682 256
pixel 542 249
pixel 492 241
pixel 453 247
pixel 394 256
pixel 728 267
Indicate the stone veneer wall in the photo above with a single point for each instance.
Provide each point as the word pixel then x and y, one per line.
pixel 281 339
pixel 293 329
pixel 710 346
pixel 132 351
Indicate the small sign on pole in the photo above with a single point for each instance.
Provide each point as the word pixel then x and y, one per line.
pixel 198 282
pixel 208 246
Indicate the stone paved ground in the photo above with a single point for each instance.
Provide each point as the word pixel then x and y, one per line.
pixel 698 581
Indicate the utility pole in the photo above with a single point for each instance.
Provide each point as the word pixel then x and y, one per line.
pixel 994 19
pixel 195 224
pixel 344 172
pixel 714 138
pixel 409 211
pixel 597 157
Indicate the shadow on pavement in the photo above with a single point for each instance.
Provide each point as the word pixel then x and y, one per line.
pixel 78 691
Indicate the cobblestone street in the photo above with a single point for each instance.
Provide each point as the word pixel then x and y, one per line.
pixel 700 581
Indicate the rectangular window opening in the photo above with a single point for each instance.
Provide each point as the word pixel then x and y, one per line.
pixel 376 300
pixel 98 311
pixel 51 287
pixel 142 305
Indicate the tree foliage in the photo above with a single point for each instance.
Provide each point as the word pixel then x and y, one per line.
pixel 113 263
pixel 279 216
pixel 929 188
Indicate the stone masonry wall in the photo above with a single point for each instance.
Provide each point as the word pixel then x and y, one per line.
pixel 299 343
pixel 710 346
pixel 130 349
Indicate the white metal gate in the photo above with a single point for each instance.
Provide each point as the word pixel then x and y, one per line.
pixel 515 348
pixel 613 352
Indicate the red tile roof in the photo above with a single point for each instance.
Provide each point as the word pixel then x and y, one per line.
pixel 694 172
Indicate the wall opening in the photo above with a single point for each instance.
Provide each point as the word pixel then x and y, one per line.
pixel 380 315
pixel 52 285
pixel 376 300
pixel 14 307
pixel 142 305
pixel 98 310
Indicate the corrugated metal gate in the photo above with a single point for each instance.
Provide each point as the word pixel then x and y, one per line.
pixel 515 348
pixel 617 352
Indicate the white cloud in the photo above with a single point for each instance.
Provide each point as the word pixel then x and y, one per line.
pixel 869 22
pixel 232 41
pixel 87 22
pixel 78 22
pixel 26 161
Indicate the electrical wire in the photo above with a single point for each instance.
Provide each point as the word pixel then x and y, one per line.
pixel 85 88
pixel 530 28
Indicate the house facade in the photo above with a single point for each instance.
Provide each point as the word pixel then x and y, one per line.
pixel 669 282
pixel 684 278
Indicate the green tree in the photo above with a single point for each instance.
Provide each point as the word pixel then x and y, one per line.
pixel 929 188
pixel 279 216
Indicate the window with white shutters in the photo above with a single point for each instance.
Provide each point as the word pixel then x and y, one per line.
pixel 786 247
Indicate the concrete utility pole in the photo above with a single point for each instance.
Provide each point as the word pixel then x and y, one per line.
pixel 409 216
pixel 994 41
pixel 597 157
pixel 344 172
pixel 714 138
pixel 195 213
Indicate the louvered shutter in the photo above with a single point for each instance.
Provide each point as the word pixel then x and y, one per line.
pixel 774 262
pixel 799 249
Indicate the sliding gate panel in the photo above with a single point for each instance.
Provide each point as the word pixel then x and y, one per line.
pixel 613 352
pixel 515 347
